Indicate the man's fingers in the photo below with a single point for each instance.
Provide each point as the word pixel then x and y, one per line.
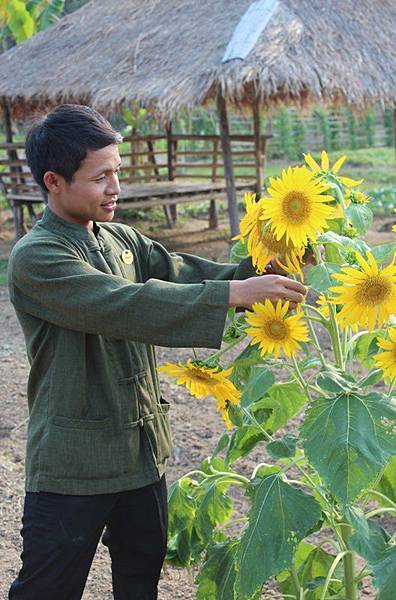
pixel 294 297
pixel 296 286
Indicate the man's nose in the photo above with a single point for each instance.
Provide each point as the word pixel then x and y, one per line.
pixel 113 188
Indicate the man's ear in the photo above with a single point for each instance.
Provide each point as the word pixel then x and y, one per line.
pixel 53 182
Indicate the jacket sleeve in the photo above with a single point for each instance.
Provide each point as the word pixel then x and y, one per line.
pixel 48 280
pixel 188 268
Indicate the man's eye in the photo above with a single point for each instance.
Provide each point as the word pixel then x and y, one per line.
pixel 101 178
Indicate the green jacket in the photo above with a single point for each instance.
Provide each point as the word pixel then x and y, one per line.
pixel 91 315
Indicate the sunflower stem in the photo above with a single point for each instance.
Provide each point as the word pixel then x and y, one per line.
pixel 372 492
pixel 349 565
pixel 268 437
pixel 295 582
pixel 315 341
pixel 228 347
pixel 300 378
pixel 340 196
pixel 335 338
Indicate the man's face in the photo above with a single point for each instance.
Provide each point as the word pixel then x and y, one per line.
pixel 92 194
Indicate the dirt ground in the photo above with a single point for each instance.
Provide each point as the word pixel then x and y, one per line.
pixel 196 427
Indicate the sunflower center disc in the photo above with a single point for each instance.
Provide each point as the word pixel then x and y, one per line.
pixel 276 330
pixel 296 206
pixel 374 290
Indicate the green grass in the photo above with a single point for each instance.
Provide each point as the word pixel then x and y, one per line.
pixel 3 271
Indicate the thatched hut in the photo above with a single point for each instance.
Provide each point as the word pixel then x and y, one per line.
pixel 175 54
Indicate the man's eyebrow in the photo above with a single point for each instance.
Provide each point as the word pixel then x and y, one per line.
pixel 105 170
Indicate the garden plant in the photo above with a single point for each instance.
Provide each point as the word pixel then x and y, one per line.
pixel 316 503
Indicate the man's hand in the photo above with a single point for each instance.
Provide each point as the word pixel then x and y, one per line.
pixel 274 287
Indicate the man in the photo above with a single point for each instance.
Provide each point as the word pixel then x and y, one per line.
pixel 93 300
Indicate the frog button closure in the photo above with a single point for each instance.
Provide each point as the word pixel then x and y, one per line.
pixel 127 257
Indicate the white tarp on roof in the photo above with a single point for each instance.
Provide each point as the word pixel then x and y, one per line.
pixel 249 28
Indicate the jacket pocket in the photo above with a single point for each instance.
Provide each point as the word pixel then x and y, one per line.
pixel 159 432
pixel 87 449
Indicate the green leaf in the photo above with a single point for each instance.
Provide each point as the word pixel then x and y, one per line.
pixel 387 484
pixel 243 364
pixel 181 505
pixel 243 440
pixel 236 415
pixel 361 217
pixel 348 441
pixel 239 252
pixel 385 574
pixel 285 401
pixel 312 574
pixel 217 576
pixel 381 556
pixel 20 22
pixel 51 14
pixel 308 363
pixel 319 277
pixel 301 554
pixel 260 381
pixel 372 546
pixel 181 510
pixel 333 382
pixel 364 347
pixel 214 508
pixel 283 448
pixel 357 519
pixel 279 518
pixel 383 252
pixel 343 243
pixel 210 464
pixel 371 378
pixel 221 444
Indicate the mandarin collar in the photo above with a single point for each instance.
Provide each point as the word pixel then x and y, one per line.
pixel 53 222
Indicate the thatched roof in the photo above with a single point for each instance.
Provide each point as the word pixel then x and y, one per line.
pixel 168 54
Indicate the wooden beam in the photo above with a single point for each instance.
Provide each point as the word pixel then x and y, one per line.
pixel 258 155
pixel 170 213
pixel 228 168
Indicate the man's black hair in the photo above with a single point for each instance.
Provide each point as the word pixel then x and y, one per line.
pixel 60 141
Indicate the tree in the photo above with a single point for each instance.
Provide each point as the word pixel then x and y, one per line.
pixel 20 19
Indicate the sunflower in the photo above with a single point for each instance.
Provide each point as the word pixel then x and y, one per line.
pixel 262 245
pixel 287 256
pixel 274 331
pixel 324 168
pixel 356 197
pixel 368 295
pixel 387 360
pixel 202 381
pixel 297 208
pixel 250 225
pixel 322 303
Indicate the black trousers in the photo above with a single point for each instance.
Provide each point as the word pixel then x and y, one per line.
pixel 61 533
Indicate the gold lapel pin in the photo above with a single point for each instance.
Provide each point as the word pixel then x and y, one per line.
pixel 127 257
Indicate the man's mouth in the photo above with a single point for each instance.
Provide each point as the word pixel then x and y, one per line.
pixel 110 205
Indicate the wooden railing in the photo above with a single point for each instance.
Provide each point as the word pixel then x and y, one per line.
pixel 166 158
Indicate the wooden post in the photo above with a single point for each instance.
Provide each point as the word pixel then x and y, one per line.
pixel 228 168
pixel 16 207
pixel 258 155
pixel 168 209
pixel 172 151
pixel 213 216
